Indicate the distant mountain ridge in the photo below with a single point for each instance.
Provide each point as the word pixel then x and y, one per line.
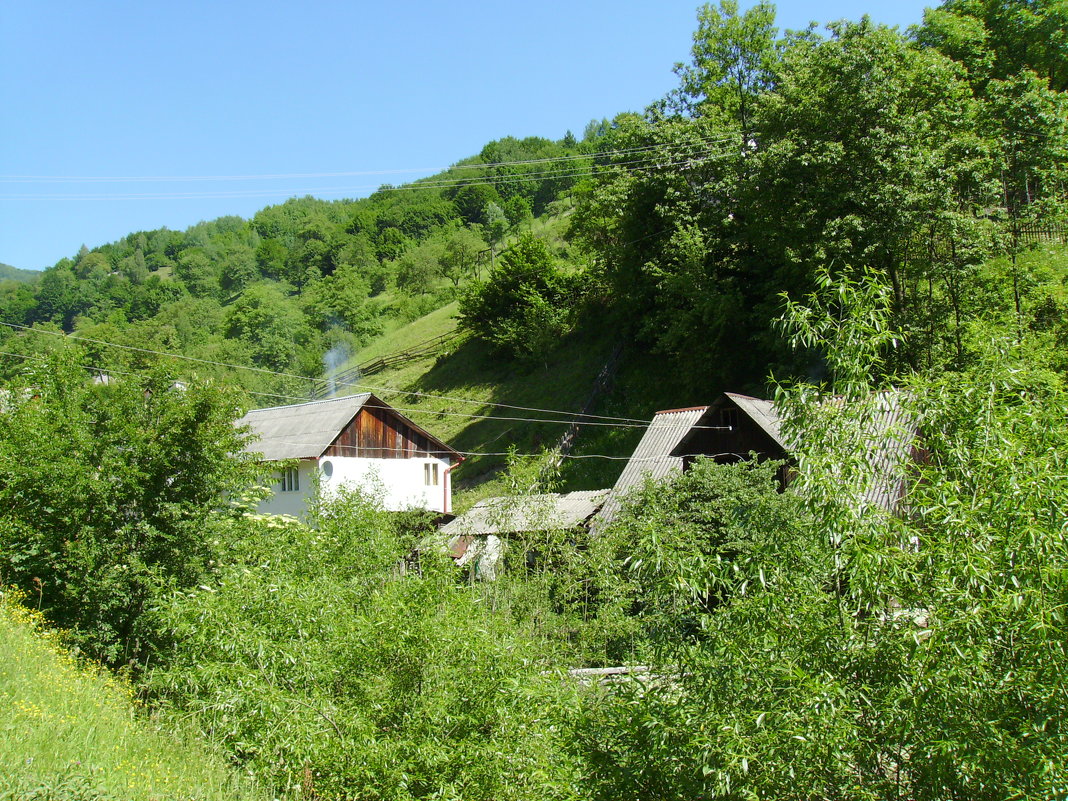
pixel 9 273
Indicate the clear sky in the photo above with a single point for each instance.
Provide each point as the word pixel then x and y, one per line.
pixel 163 95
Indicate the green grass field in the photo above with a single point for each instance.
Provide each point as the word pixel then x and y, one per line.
pixel 72 733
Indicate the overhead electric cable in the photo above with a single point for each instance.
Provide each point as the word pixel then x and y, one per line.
pixel 620 422
pixel 636 164
pixel 342 174
pixel 365 449
pixel 355 385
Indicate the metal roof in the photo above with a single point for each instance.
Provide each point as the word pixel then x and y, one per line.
pixel 301 430
pixel 510 515
pixel 652 458
pixel 891 436
pixel 888 436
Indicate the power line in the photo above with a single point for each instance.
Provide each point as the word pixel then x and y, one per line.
pixel 115 371
pixel 344 174
pixel 647 161
pixel 365 449
pixel 617 422
pixel 263 371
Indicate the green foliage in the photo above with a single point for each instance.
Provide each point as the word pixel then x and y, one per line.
pixel 1002 39
pixel 108 493
pixel 858 653
pixel 270 324
pixel 734 58
pixel 526 305
pixel 9 273
pixel 324 660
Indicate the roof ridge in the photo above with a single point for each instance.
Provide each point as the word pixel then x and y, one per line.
pixel 311 403
pixel 686 409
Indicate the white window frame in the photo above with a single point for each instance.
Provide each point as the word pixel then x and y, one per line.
pixel 289 480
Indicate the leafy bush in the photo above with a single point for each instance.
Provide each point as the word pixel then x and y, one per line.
pixel 108 493
pixel 327 663
pixel 865 654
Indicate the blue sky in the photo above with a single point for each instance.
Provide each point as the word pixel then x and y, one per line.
pixel 191 99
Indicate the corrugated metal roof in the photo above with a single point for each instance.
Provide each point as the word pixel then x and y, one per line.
pixel 886 432
pixel 301 430
pixel 891 435
pixel 652 458
pixel 509 515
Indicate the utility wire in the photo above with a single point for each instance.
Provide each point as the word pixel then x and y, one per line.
pixel 263 371
pixel 645 162
pixel 346 174
pixel 363 449
pixel 114 371
pixel 430 412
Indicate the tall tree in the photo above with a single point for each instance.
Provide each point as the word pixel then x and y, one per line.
pixel 733 61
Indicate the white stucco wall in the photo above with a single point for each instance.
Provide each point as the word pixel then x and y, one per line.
pixel 399 483
pixel 291 503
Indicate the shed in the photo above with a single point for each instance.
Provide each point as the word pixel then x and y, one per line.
pixel 474 538
pixel 653 458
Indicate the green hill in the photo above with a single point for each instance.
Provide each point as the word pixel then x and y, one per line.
pixel 9 273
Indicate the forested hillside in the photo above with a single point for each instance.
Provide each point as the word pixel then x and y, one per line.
pixel 281 289
pixel 843 219
pixel 9 273
pixel 678 231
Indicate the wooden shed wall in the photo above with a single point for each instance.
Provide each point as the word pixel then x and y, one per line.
pixel 377 433
pixel 725 446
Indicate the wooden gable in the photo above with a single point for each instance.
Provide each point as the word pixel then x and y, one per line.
pixel 726 434
pixel 379 432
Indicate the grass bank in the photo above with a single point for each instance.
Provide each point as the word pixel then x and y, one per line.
pixel 72 732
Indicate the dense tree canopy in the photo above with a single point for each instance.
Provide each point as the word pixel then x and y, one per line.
pixel 108 489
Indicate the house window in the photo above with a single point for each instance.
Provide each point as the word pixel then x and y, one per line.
pixel 290 480
pixel 430 474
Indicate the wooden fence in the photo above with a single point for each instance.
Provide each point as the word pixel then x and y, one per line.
pixel 324 387
pixel 1043 232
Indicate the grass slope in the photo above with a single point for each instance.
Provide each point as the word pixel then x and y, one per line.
pixel 452 393
pixel 466 378
pixel 69 732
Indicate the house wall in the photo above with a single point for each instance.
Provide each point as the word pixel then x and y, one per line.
pixel 377 433
pixel 291 503
pixel 730 436
pixel 399 483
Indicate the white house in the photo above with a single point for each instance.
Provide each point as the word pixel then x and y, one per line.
pixel 356 440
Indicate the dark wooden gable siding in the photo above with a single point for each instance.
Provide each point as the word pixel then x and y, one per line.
pixel 379 433
pixel 730 436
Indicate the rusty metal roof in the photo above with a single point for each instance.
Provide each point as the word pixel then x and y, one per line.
pixel 652 458
pixel 510 515
pixel 301 430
